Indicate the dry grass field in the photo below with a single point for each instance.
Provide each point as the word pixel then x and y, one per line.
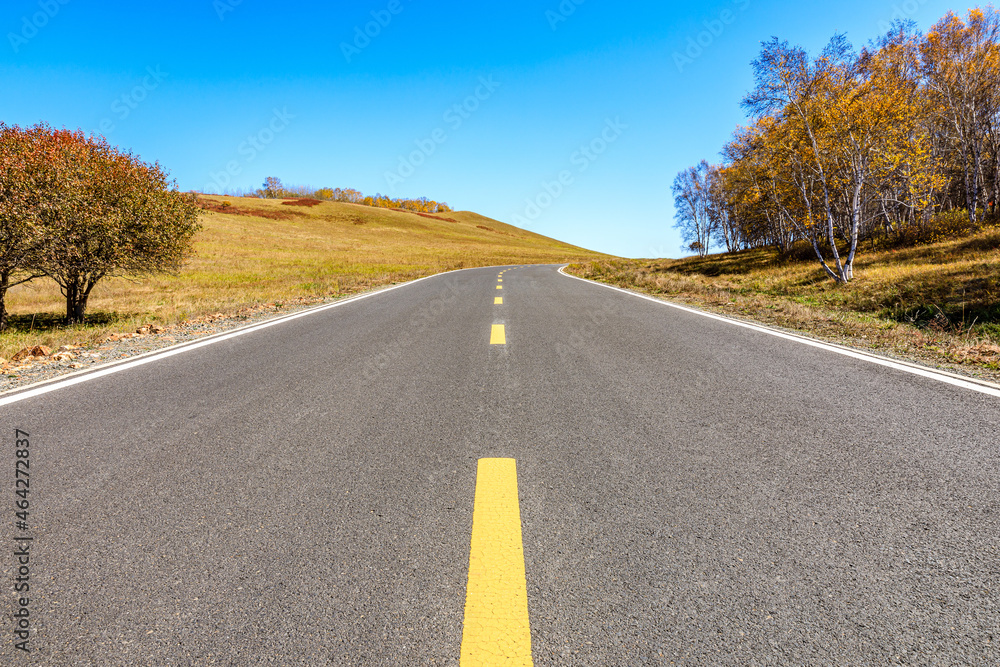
pixel 252 252
pixel 937 303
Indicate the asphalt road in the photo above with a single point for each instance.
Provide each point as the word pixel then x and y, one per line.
pixel 691 492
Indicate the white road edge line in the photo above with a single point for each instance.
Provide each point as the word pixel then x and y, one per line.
pixel 982 387
pixel 46 386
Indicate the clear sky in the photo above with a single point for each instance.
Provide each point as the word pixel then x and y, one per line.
pixel 571 117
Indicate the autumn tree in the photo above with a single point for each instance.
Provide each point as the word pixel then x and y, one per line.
pixel 23 181
pixel 877 139
pixel 755 187
pixel 871 145
pixel 906 167
pixel 104 213
pixel 273 188
pixel 725 209
pixel 961 62
pixel 798 91
pixel 692 207
pixel 349 195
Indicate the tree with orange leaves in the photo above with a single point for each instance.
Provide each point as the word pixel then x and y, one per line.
pixel 841 133
pixel 22 234
pixel 871 145
pixel 961 66
pixel 99 212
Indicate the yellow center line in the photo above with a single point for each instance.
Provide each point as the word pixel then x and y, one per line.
pixel 496 629
pixel 498 301
pixel 498 336
pixel 499 286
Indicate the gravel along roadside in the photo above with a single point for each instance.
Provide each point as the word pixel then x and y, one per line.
pixel 38 364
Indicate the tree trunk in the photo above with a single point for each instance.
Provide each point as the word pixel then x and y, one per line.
pixel 4 285
pixel 77 287
pixel 996 178
pixel 855 226
pixel 842 276
pixel 811 229
pixel 977 171
pixel 74 312
pixel 80 309
pixel 967 179
pixel 994 192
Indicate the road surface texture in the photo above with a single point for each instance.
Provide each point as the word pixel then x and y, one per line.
pixel 691 492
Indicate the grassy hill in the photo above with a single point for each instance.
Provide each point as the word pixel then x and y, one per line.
pixel 254 251
pixel 938 304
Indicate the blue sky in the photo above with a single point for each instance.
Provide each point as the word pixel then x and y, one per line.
pixel 571 117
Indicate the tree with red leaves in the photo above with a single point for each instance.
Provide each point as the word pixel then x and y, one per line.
pixel 22 235
pixel 81 211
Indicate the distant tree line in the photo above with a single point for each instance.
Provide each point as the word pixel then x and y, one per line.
pixel 76 210
pixel 273 188
pixel 897 143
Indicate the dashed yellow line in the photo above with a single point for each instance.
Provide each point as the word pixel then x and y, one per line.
pixel 498 336
pixel 496 629
pixel 499 286
pixel 498 301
